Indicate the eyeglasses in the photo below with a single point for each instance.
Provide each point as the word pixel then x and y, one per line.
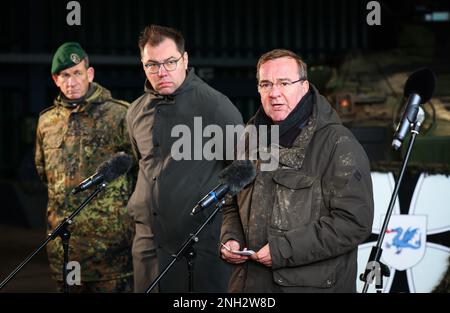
pixel 283 85
pixel 170 65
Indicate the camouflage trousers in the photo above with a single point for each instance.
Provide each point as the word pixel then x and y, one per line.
pixel 119 285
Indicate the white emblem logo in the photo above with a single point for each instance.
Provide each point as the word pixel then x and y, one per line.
pixel 75 58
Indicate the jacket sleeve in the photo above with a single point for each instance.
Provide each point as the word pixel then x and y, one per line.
pixel 231 222
pixel 134 171
pixel 39 157
pixel 347 189
pixel 125 146
pixel 227 115
pixel 130 134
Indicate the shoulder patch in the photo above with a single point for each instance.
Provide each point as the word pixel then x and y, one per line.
pixel 47 109
pixel 121 102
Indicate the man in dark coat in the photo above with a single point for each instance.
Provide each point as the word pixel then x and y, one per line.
pixel 168 185
pixel 306 218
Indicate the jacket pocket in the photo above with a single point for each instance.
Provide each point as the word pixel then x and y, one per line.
pixel 53 140
pixel 319 275
pixel 295 199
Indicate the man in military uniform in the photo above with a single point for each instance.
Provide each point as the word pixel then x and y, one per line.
pixel 82 129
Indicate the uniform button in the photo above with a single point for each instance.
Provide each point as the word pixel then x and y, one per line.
pixel 280 280
pixel 158 111
pixel 154 178
pixel 156 144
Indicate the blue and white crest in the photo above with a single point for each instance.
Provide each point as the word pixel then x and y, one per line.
pixel 405 240
pixel 431 200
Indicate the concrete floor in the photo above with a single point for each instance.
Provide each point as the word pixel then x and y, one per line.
pixel 16 243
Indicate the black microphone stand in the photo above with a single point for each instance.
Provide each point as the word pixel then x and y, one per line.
pixel 187 250
pixel 62 231
pixel 375 268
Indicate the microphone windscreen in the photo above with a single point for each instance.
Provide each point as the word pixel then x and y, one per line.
pixel 237 175
pixel 118 165
pixel 421 82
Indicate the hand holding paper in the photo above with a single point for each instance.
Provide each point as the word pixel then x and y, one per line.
pixel 240 252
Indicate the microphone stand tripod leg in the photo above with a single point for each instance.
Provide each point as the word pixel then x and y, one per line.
pixel 65 236
pixel 374 265
pixel 190 259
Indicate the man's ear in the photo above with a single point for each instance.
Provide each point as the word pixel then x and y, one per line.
pixel 186 60
pixel 306 86
pixel 90 72
pixel 55 80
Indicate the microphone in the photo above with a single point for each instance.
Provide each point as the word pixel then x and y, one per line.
pixel 109 170
pixel 232 179
pixel 418 89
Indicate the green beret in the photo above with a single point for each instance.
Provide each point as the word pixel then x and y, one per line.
pixel 68 54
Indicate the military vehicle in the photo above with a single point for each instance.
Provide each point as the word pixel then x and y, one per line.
pixel 367 92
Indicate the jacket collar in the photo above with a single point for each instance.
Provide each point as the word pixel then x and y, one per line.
pixel 322 116
pixel 185 86
pixel 97 95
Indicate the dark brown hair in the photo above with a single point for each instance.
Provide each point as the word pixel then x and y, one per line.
pixel 155 34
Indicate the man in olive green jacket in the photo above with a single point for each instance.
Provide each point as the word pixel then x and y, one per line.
pixel 82 129
pixel 306 218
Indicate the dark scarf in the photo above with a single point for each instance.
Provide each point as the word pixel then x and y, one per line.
pixel 291 127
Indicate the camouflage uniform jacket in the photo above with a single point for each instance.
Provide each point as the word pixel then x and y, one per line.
pixel 313 210
pixel 71 143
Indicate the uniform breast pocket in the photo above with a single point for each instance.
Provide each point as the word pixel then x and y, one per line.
pixel 53 140
pixel 295 199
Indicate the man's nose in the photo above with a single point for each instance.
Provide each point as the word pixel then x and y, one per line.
pixel 275 91
pixel 71 81
pixel 162 71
